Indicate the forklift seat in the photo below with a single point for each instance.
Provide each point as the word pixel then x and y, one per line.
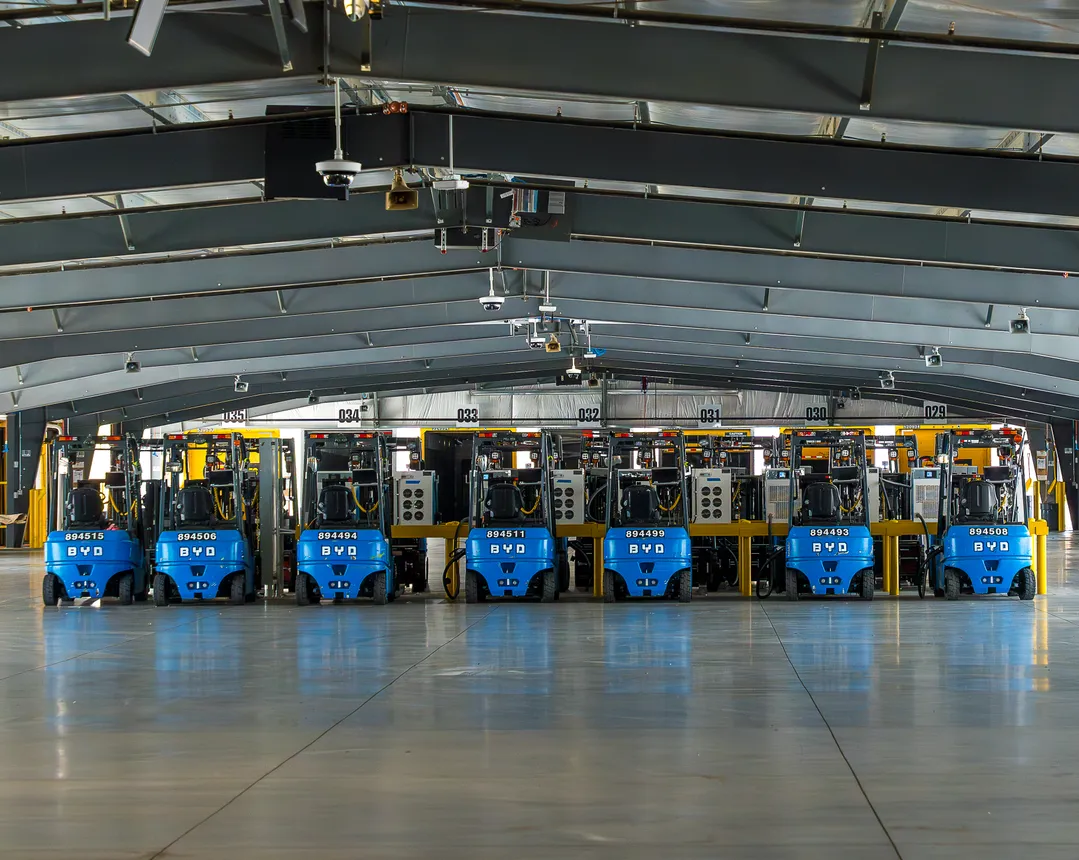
pixel 821 502
pixel 503 504
pixel 85 507
pixel 640 504
pixel 979 501
pixel 195 505
pixel 334 504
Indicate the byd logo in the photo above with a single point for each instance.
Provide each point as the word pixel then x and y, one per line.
pixel 507 549
pixel 197 551
pixel 646 549
pixel 831 547
pixel 990 546
pixel 85 551
pixel 338 551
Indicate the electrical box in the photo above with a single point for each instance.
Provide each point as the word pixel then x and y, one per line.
pixel 712 495
pixel 873 484
pixel 777 495
pixel 567 495
pixel 925 493
pixel 415 498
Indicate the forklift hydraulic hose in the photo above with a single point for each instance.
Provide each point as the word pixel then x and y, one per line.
pixel 447 580
pixel 764 586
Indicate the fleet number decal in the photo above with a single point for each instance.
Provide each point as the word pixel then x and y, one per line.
pixel 84 536
pixel 338 536
pixel 197 536
pixel 990 531
pixel 645 533
pixel 829 532
pixel 496 534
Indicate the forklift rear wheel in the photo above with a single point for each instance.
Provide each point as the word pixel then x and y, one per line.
pixel 563 571
pixel 237 590
pixel 951 583
pixel 378 588
pixel 869 583
pixel 50 589
pixel 685 586
pixel 472 587
pixel 550 586
pixel 1028 584
pixel 609 595
pixel 302 587
pixel 161 590
pixel 792 584
pixel 125 589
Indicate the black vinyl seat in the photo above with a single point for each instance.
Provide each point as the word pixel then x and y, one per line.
pixel 85 507
pixel 640 504
pixel 503 504
pixel 195 505
pixel 820 502
pixel 334 505
pixel 978 502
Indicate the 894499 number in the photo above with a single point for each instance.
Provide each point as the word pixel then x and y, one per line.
pixel 645 533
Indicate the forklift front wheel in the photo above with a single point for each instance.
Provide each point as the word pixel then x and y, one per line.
pixel 792 584
pixel 304 590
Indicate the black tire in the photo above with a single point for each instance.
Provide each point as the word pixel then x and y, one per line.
pixel 51 589
pixel 792 584
pixel 472 587
pixel 562 561
pixel 685 586
pixel 302 587
pixel 952 582
pixel 125 589
pixel 161 590
pixel 923 574
pixel 1028 584
pixel 378 588
pixel 422 584
pixel 869 583
pixel 550 586
pixel 238 589
pixel 609 595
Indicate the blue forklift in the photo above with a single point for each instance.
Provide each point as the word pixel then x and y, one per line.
pixel 511 549
pixel 344 551
pixel 207 541
pixel 103 539
pixel 829 549
pixel 646 549
pixel 983 544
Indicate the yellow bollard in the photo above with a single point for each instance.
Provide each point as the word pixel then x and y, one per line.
pixel 891 564
pixel 450 545
pixel 1042 570
pixel 745 565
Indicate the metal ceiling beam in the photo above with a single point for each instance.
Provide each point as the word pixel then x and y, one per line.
pixel 234 152
pixel 218 275
pixel 90 57
pixel 734 225
pixel 765 70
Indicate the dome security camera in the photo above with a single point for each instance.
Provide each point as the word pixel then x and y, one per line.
pixel 338 172
pixel 492 302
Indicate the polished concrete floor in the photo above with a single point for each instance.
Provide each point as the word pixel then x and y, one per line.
pixel 723 729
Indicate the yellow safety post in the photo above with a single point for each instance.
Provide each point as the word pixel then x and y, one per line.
pixel 1043 553
pixel 890 543
pixel 37 526
pixel 450 545
pixel 745 565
